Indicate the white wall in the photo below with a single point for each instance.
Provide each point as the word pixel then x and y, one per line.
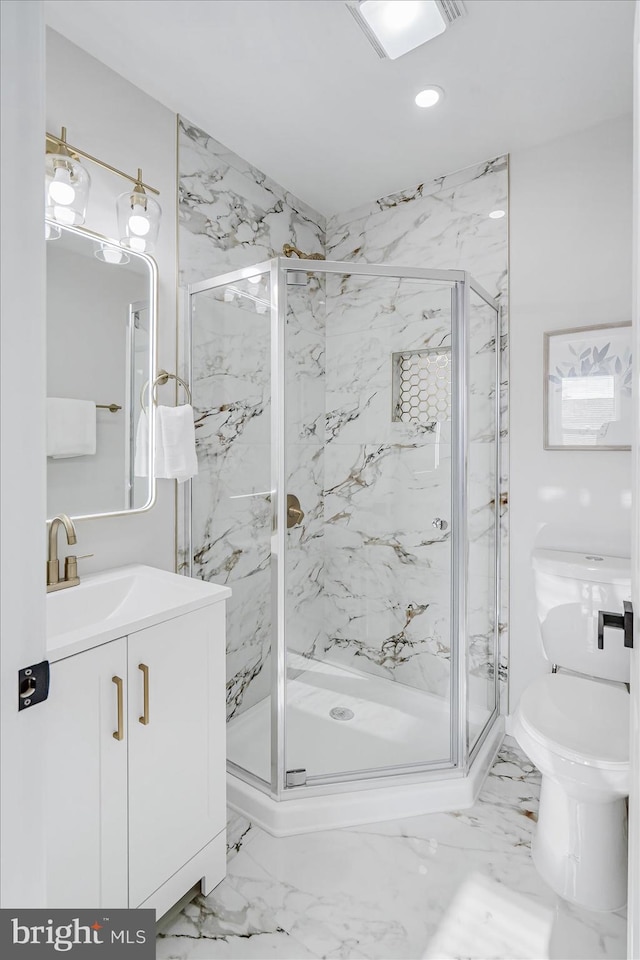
pixel 570 223
pixel 108 117
pixel 22 465
pixel 633 920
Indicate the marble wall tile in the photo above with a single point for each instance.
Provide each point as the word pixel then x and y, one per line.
pixel 447 228
pixel 368 577
pixel 441 225
pixel 232 215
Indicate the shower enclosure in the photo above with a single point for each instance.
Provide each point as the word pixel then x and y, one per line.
pixel 347 421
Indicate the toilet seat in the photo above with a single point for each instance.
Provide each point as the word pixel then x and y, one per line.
pixel 581 720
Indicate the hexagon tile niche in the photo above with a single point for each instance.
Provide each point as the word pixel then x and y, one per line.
pixel 422 386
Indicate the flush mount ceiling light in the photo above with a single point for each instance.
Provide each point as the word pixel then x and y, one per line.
pixel 394 27
pixel 429 97
pixel 67 185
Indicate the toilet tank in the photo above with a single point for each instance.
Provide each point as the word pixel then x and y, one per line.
pixel 570 590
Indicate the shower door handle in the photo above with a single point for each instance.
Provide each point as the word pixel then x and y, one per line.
pixel 439 524
pixel 295 514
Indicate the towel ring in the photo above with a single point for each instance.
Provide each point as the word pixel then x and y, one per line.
pixel 160 380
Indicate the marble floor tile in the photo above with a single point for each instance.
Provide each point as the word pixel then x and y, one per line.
pixel 382 890
pixel 243 946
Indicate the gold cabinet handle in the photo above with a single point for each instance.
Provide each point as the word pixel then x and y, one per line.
pixel 119 734
pixel 145 687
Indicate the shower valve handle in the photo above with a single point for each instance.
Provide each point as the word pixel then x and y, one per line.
pixel 295 514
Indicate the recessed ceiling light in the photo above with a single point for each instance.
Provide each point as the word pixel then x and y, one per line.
pixel 497 214
pixel 395 27
pixel 428 97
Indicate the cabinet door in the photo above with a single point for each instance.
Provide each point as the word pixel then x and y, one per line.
pixel 86 781
pixel 176 757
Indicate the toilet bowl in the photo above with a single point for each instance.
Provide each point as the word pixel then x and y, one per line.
pixel 573 724
pixel 576 731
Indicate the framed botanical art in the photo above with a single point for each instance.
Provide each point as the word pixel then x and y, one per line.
pixel 587 388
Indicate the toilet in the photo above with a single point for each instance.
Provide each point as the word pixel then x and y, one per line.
pixel 573 724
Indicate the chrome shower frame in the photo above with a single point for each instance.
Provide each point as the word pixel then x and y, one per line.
pixel 461 284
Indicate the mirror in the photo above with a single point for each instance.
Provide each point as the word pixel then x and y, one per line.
pixel 101 320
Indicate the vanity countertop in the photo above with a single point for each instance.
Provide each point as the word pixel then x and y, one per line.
pixel 118 602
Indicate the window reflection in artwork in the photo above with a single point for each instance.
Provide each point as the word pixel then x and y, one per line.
pixel 588 379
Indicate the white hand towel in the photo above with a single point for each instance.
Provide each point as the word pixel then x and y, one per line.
pixel 175 443
pixel 141 459
pixel 71 428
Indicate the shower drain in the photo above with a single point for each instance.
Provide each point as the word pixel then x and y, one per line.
pixel 341 713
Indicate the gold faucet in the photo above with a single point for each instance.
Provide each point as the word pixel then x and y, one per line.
pixel 71 578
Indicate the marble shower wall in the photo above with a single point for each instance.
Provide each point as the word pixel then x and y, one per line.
pixel 368 584
pixel 387 584
pixel 230 216
pixel 383 549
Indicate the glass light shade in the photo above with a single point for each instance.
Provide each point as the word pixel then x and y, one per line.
pixel 67 185
pixel 109 253
pixel 138 220
pixel 52 231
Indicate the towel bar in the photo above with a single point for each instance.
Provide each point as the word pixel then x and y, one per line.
pixel 159 381
pixel 111 407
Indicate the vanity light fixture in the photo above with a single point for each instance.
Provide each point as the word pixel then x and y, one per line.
pixel 394 27
pixel 138 218
pixel 108 253
pixel 52 231
pixel 67 191
pixel 231 293
pixel 67 183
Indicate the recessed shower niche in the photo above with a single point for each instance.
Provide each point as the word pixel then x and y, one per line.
pixel 422 386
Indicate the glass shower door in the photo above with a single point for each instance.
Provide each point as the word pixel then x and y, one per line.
pixel 231 498
pixel 483 515
pixel 369 398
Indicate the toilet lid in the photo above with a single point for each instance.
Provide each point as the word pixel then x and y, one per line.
pixel 586 719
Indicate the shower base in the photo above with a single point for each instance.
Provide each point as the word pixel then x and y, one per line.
pixel 338 722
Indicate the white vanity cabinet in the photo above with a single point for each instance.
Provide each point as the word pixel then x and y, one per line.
pixel 137 821
pixel 86 781
pixel 177 759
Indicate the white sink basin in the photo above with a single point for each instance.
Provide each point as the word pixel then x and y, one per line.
pixel 108 605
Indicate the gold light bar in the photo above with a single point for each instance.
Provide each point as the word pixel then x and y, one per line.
pixel 53 141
